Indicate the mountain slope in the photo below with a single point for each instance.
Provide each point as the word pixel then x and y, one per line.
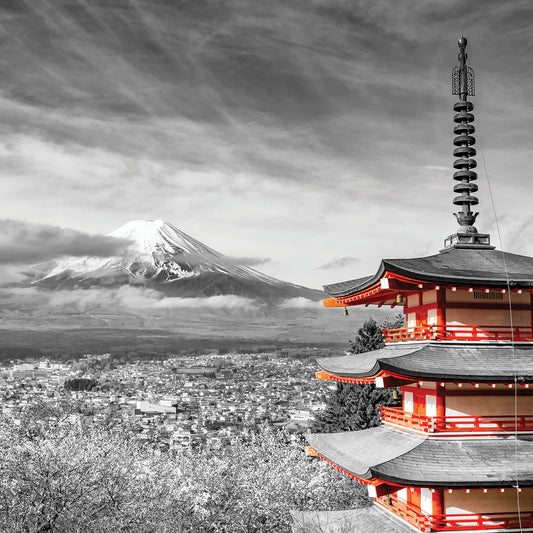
pixel 164 258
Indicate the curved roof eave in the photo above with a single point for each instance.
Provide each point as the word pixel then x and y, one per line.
pixel 379 445
pixel 345 288
pixel 485 268
pixel 405 458
pixel 452 361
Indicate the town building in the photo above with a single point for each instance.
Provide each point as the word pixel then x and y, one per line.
pixel 457 455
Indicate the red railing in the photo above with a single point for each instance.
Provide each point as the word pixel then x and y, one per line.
pixel 458 332
pixel 456 424
pixel 454 522
pixel 408 512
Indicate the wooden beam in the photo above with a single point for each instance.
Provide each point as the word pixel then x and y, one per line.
pixel 383 382
pixel 375 491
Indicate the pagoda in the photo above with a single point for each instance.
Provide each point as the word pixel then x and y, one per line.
pixel 458 454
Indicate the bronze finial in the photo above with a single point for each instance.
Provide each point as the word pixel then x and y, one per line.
pixel 463 85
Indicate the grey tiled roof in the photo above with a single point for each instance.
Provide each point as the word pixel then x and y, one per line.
pixel 415 460
pixel 358 451
pixel 490 362
pixel 371 519
pixel 461 266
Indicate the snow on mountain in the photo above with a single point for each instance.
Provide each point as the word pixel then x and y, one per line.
pixel 163 257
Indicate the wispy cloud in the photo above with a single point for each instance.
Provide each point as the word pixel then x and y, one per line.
pixel 23 243
pixel 258 127
pixel 340 263
pixel 300 303
pixel 249 261
pixel 126 298
pixel 200 259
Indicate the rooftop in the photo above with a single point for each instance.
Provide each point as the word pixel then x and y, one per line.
pixel 401 457
pixel 365 520
pixel 457 266
pixel 447 361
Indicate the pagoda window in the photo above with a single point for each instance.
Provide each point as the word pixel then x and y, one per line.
pixel 408 402
pixel 432 317
pixel 402 495
pixel 431 405
pixel 426 501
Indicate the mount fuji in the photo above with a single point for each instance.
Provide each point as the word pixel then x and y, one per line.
pixel 161 257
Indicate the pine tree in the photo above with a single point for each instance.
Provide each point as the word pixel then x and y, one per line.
pixel 352 407
pixel 368 338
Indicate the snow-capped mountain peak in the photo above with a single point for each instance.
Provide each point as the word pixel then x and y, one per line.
pixel 161 256
pixel 158 235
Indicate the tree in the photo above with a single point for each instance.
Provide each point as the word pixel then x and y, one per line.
pixel 368 338
pixel 351 407
pixel 80 384
pixel 395 323
pixel 59 477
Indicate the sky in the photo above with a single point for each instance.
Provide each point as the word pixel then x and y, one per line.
pixel 314 136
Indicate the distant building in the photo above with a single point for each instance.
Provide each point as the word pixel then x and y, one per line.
pixel 144 407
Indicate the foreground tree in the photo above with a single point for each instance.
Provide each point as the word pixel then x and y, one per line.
pixel 59 477
pixel 351 407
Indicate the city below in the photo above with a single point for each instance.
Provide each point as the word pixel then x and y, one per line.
pixel 201 400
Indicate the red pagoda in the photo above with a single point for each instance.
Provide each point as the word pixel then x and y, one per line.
pixel 457 455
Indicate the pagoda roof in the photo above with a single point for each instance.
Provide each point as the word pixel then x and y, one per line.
pixel 459 266
pixel 401 457
pixel 371 519
pixel 447 361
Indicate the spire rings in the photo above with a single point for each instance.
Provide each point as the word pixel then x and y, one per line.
pixel 465 164
pixel 464 129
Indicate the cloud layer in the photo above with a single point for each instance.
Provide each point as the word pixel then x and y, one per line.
pixel 24 243
pixel 126 298
pixel 199 259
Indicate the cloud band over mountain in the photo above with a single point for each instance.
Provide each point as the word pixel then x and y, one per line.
pixel 26 243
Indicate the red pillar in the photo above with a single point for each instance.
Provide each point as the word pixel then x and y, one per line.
pixel 441 400
pixel 438 504
pixel 441 307
pixel 531 308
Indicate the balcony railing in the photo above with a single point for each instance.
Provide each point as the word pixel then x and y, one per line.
pixel 458 333
pixel 454 522
pixel 456 424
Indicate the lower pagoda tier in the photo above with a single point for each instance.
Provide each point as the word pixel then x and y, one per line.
pixel 489 362
pixel 382 518
pixel 373 519
pixel 385 454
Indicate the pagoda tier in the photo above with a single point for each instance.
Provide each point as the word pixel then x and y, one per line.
pixel 436 484
pixel 373 519
pixel 483 362
pixel 397 457
pixel 454 267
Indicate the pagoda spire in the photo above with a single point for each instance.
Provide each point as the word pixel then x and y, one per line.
pixel 463 85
